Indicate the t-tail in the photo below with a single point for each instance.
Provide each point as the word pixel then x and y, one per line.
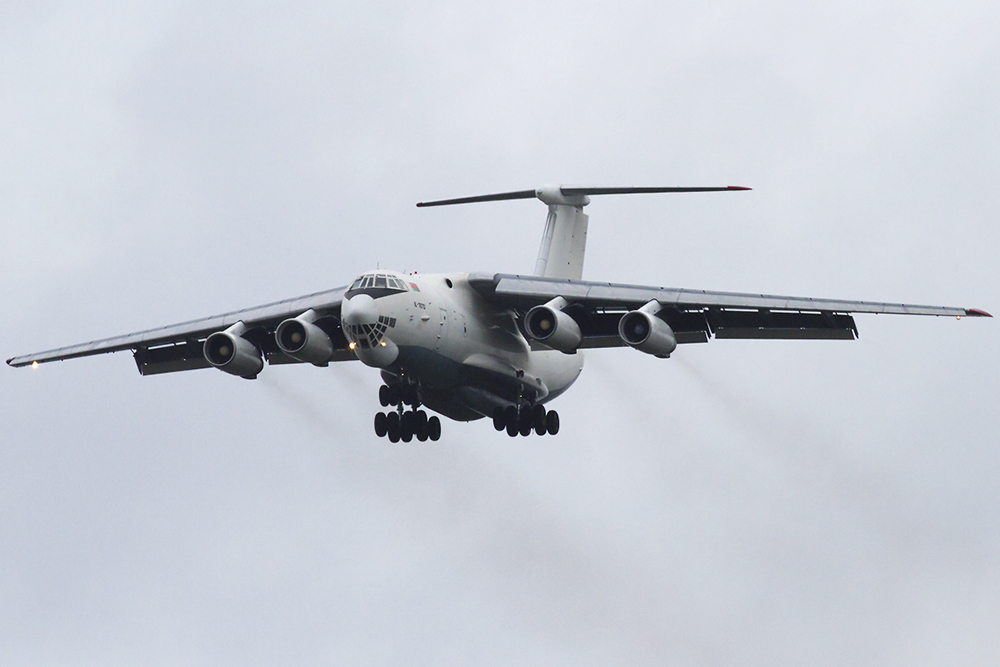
pixel 564 241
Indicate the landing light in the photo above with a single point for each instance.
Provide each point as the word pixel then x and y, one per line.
pixel 351 345
pixel 383 343
pixel 34 364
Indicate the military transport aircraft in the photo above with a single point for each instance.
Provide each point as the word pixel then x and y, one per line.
pixel 472 345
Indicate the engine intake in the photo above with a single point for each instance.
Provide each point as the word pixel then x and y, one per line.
pixel 550 325
pixel 646 332
pixel 300 339
pixel 230 352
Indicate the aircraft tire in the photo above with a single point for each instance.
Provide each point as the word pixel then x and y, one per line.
pixel 510 416
pixel 384 396
pixel 499 418
pixel 434 428
pixel 538 417
pixel 552 422
pixel 525 421
pixel 421 428
pixel 392 427
pixel 407 424
pixel 381 424
pixel 512 420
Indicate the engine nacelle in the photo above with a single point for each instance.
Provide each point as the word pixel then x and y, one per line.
pixel 647 333
pixel 230 352
pixel 303 340
pixel 550 325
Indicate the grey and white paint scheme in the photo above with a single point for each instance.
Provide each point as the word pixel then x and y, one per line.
pixel 473 345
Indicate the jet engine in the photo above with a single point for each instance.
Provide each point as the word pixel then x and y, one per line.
pixel 646 332
pixel 300 339
pixel 230 352
pixel 550 325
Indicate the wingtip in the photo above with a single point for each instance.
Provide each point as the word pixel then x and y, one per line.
pixel 738 187
pixel 975 312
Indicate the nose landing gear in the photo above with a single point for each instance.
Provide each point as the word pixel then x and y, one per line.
pixel 525 419
pixel 403 424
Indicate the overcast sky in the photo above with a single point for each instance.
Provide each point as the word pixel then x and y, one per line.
pixel 743 503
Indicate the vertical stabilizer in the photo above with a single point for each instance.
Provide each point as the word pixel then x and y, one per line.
pixel 564 241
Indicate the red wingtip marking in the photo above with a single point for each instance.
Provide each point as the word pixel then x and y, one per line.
pixel 737 187
pixel 975 312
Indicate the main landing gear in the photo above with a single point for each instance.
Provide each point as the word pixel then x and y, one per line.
pixel 524 420
pixel 403 424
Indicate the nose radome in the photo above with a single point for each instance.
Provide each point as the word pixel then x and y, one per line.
pixel 359 309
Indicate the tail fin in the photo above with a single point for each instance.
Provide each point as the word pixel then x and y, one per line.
pixel 564 241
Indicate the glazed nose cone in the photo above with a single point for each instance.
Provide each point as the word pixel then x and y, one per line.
pixel 359 309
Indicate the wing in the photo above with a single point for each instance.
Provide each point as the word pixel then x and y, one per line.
pixel 178 347
pixel 694 315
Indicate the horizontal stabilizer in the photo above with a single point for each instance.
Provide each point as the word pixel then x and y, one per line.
pixel 520 194
pixel 568 191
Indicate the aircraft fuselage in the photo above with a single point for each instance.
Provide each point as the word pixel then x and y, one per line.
pixel 466 355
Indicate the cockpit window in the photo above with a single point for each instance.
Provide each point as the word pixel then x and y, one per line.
pixel 376 285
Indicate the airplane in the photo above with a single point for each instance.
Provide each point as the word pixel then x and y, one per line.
pixel 473 345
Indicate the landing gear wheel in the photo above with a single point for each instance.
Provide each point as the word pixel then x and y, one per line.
pixel 381 424
pixel 385 396
pixel 525 421
pixel 392 426
pixel 512 425
pixel 510 420
pixel 421 427
pixel 434 428
pixel 394 394
pixel 538 419
pixel 406 426
pixel 552 422
pixel 499 418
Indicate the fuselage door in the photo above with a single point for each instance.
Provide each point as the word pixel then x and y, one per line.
pixel 442 329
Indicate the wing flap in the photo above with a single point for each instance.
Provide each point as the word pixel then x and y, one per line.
pixel 186 356
pixel 781 325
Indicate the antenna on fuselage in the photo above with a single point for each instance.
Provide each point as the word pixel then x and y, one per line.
pixel 564 241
